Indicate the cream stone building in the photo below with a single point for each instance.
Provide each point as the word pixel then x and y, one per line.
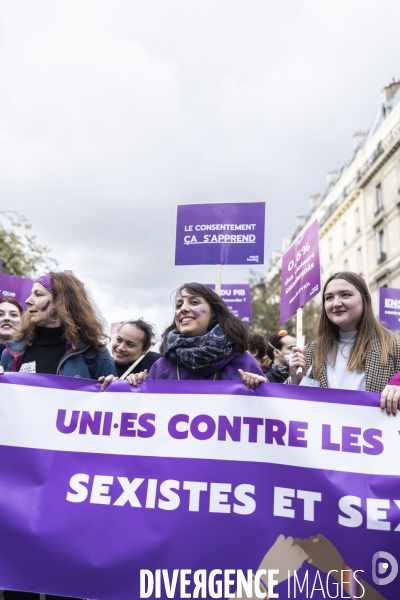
pixel 359 211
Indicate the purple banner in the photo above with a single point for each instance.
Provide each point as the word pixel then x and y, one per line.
pixel 172 487
pixel 220 234
pixel 238 299
pixel 18 288
pixel 301 272
pixel 389 308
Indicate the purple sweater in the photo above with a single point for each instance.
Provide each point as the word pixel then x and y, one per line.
pixel 165 368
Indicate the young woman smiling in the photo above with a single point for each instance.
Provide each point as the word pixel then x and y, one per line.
pixel 132 342
pixel 204 341
pixel 353 350
pixel 10 317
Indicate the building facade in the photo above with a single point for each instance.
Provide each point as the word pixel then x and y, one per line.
pixel 359 211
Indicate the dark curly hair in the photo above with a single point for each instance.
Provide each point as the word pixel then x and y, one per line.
pixel 258 344
pixel 148 331
pixel 229 324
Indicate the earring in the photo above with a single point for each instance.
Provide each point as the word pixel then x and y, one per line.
pixel 49 317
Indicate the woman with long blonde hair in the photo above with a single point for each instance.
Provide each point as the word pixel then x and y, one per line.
pixel 353 350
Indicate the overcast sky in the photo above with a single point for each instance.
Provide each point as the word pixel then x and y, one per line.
pixel 114 112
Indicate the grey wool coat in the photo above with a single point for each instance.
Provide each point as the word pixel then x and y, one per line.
pixel 376 374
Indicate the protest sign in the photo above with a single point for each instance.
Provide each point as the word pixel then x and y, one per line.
pixel 17 288
pixel 220 234
pixel 115 327
pixel 100 492
pixel 237 297
pixel 301 272
pixel 389 308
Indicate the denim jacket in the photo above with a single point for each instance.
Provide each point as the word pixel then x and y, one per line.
pixel 78 361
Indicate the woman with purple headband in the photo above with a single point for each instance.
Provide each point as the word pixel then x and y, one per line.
pixel 60 334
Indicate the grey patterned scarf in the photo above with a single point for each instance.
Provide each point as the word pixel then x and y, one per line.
pixel 201 351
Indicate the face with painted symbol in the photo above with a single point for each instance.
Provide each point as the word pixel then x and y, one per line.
pixel 10 317
pixel 40 304
pixel 193 315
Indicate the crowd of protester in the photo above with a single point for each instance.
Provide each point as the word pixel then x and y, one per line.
pixel 62 333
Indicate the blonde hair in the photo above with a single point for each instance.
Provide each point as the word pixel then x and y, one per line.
pixel 328 332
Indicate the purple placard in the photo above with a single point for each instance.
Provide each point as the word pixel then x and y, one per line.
pixel 389 308
pixel 238 299
pixel 115 327
pixel 18 288
pixel 301 272
pixel 84 509
pixel 220 234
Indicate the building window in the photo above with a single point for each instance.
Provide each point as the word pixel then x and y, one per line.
pixel 378 199
pixel 344 234
pixel 381 246
pixel 358 221
pixel 330 248
pixel 359 261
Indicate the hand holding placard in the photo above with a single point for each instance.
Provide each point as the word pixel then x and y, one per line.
pixel 297 362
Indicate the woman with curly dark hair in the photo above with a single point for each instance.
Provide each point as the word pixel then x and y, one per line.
pixel 204 341
pixel 61 332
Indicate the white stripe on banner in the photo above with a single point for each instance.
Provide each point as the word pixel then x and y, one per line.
pixel 270 430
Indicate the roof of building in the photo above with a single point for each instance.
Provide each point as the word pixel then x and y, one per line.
pixel 383 111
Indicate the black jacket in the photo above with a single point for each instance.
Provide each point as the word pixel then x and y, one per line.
pixel 275 375
pixel 146 362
